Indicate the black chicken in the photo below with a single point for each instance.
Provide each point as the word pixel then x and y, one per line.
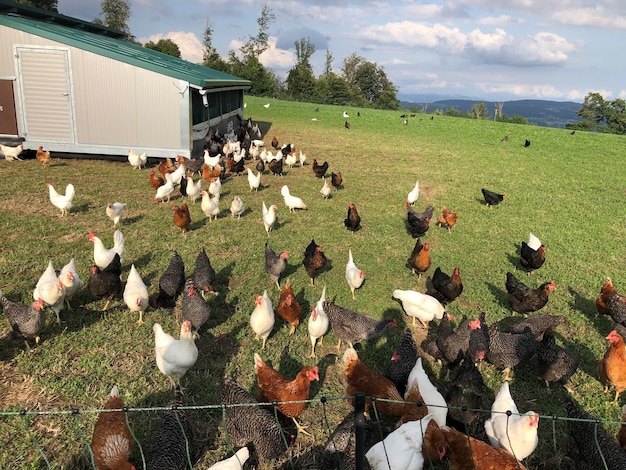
pixel 286 149
pixel 589 445
pixel 260 166
pixel 443 287
pixel 466 397
pixel 353 219
pixel 555 363
pixel 336 180
pixel 171 446
pixel 275 264
pixel 238 167
pixel 203 275
pixel 617 309
pixel 523 299
pixel 532 259
pixel 276 166
pixel 538 324
pixel 527 143
pixel 194 307
pixel 479 340
pixel 491 198
pixel 320 170
pixel 26 320
pixel 506 350
pixel 183 186
pixel 314 260
pixel 418 223
pixel 106 283
pixel 352 327
pixel 402 362
pixel 171 282
pixel 250 424
pixel 454 344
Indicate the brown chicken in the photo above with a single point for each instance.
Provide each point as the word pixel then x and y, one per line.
pixel 336 180
pixel 523 299
pixel 416 409
pixel 362 379
pixel 606 292
pixel 353 219
pixel 419 261
pixel 275 143
pixel 182 218
pixel 289 309
pixel 112 440
pixel 164 169
pixel 468 453
pixel 612 367
pixel 210 175
pixel 155 181
pixel 43 156
pixel 314 260
pixel 273 386
pixel 447 218
pixel 443 287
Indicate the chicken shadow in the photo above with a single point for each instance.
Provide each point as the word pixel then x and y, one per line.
pixel 584 305
pixel 131 220
pixel 500 294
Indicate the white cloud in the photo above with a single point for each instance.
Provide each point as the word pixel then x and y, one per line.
pixel 412 34
pixel 188 43
pixel 598 17
pixel 277 58
pixel 499 20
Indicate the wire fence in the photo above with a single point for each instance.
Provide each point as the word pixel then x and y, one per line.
pixel 324 402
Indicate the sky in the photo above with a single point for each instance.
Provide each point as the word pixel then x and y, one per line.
pixel 493 50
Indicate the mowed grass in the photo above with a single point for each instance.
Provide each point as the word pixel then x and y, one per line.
pixel 567 189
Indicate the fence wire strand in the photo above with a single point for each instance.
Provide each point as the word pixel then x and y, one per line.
pixel 325 401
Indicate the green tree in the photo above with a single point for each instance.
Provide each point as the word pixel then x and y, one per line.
pixel 479 111
pixel 115 14
pixel 50 5
pixel 210 56
pixel 592 113
pixel 615 116
pixel 257 45
pixel 300 79
pixel 369 84
pixel 166 46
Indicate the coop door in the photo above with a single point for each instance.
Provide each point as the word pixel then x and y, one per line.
pixel 46 94
pixel 8 121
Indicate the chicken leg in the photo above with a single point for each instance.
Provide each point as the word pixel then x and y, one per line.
pixel 300 427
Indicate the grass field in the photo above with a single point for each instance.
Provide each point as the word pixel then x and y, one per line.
pixel 567 189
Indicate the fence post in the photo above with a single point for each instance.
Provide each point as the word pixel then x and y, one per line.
pixel 359 429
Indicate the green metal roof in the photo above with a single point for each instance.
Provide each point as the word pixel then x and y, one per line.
pixel 50 26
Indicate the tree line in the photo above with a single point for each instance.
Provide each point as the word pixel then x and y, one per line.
pixel 359 82
pixel 600 115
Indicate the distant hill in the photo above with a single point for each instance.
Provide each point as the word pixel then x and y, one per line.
pixel 539 112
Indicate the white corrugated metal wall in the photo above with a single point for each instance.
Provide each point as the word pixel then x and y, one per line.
pixel 115 106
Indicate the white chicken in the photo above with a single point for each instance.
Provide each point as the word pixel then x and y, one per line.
pixel 401 449
pixel 178 174
pixel 254 181
pixel 115 211
pixel 210 161
pixel 103 256
pixel 421 306
pixel 12 153
pixel 71 281
pixel 174 357
pixel 233 463
pixel 435 401
pixel 325 190
pixel 302 158
pixel 354 275
pixel 269 217
pixel 411 198
pixel 61 201
pixel 318 322
pixel 292 202
pixel 193 189
pixel 516 433
pixel 236 207
pixel 136 293
pixel 165 190
pixel 50 290
pixel 291 159
pixel 210 205
pixel 215 188
pixel 262 317
pixel 533 242
pixel 345 115
pixel 137 160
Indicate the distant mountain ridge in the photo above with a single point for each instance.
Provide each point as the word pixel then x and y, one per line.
pixel 539 112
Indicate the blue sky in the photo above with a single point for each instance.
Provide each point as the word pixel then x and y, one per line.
pixel 486 49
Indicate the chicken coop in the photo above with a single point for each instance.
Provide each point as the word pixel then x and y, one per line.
pixel 77 87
